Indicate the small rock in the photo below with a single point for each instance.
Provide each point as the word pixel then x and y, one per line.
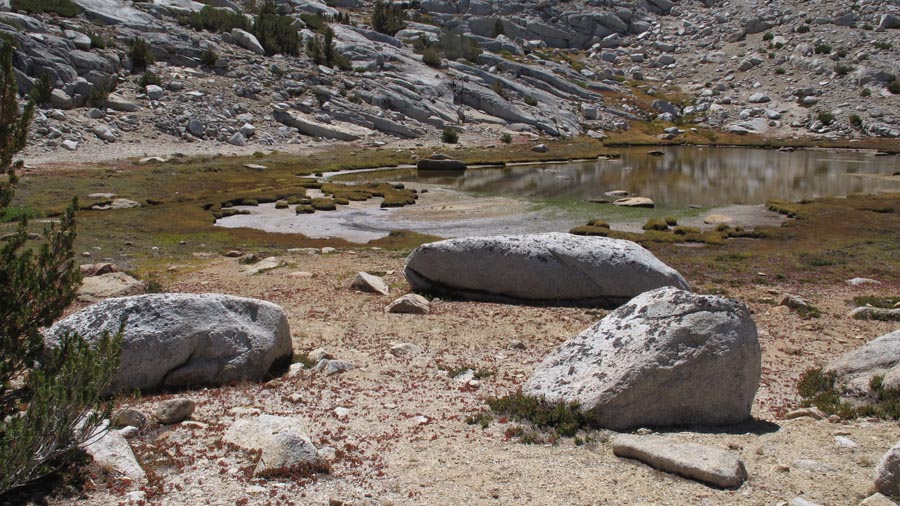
pixel 405 350
pixel 237 139
pixel 319 354
pixel 877 500
pixel 329 367
pixel 111 451
pixel 366 282
pixel 540 148
pixel 635 202
pixel 69 145
pixel 793 302
pixel 174 410
pixel 130 418
pixel 846 442
pixel 814 413
pixel 705 464
pixel 862 281
pixel 155 92
pixel 255 166
pixel 410 303
pixel 875 313
pixel 715 219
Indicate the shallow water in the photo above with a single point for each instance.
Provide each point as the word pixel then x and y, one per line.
pixel 707 177
pixel 686 182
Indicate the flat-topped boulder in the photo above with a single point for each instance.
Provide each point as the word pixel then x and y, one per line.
pixel 185 339
pixel 553 268
pixel 706 464
pixel 666 358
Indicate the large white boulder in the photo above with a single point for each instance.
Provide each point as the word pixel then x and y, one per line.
pixel 667 358
pixel 552 268
pixel 185 339
pixel 887 474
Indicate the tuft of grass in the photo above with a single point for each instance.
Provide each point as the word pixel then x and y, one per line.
pixel 818 388
pixel 506 138
pixel 564 419
pixel 656 224
pixel 871 300
pixel 323 204
pixel 483 418
pixel 303 358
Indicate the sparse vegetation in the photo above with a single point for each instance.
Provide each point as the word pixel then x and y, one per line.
pixel 820 389
pixel 276 33
pixel 140 55
pixel 506 138
pixel 216 20
pixel 148 78
pixel 210 56
pixel 565 419
pixel 449 136
pixel 894 87
pixel 49 401
pixel 822 49
pixel 64 8
pixel 825 117
pixel 855 120
pixel 388 18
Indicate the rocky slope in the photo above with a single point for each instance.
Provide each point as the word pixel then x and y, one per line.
pixel 556 68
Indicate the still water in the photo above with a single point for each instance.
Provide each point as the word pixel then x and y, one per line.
pixel 707 177
pixel 686 183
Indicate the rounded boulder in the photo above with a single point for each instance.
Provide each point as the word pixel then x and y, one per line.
pixel 667 358
pixel 185 339
pixel 553 268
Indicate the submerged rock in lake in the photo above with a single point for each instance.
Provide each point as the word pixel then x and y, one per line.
pixel 553 268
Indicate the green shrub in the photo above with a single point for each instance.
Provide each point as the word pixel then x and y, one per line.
pixel 822 49
pixel 209 56
pixel 431 56
pixel 855 120
pixel 304 209
pixel 64 8
pixel 529 100
pixel 803 29
pixel 148 78
pixel 140 55
pixel 216 20
pixel 563 418
pixel 865 93
pixel 456 46
pixel 825 117
pixel 449 136
pixel 388 19
pixel 768 36
pixel 42 89
pixel 55 406
pixel 883 45
pixel 276 33
pixel 314 22
pixel 842 70
pixel 670 221
pixel 281 204
pixel 894 87
pixel 780 71
pixel 506 138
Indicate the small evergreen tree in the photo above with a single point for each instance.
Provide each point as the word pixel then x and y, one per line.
pixel 49 401
pixel 387 19
pixel 276 33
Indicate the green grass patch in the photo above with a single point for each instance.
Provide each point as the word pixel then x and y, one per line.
pixel 564 419
pixel 820 389
pixel 64 8
pixel 874 301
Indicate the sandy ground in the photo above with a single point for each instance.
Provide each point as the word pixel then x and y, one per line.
pixel 404 439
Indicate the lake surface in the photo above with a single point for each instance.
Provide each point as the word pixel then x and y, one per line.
pixel 708 177
pixel 686 182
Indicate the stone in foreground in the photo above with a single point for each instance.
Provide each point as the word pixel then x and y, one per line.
pixel 111 451
pixel 282 441
pixel 554 268
pixel 705 464
pixel 411 303
pixel 370 283
pixel 185 339
pixel 855 369
pixel 667 358
pixel 887 474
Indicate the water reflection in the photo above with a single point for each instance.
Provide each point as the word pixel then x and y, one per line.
pixel 689 175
